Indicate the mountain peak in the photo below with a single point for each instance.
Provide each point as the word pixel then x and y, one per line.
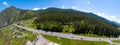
pixel 12 7
pixel 10 11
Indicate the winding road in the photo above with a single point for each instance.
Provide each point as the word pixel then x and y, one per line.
pixel 71 36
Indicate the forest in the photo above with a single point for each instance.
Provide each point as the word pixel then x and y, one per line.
pixel 76 22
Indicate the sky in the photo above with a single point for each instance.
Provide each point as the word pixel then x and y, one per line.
pixel 108 9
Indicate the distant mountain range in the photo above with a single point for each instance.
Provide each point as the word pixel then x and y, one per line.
pixel 77 22
pixel 62 16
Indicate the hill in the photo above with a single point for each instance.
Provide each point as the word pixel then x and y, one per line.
pixel 77 22
pixel 13 14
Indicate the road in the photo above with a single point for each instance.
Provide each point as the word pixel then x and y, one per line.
pixel 71 36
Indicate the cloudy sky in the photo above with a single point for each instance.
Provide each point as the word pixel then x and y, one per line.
pixel 108 9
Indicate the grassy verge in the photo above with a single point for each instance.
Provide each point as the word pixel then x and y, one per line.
pixel 64 41
pixel 116 41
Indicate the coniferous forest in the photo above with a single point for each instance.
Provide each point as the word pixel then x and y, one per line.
pixel 76 22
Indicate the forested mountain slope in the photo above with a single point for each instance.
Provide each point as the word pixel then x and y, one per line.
pixel 77 22
pixel 13 14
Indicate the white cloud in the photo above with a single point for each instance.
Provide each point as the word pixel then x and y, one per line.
pixel 118 21
pixel 36 8
pixel 63 6
pixel 109 17
pixel 73 7
pixel 105 16
pixel 88 2
pixel 5 3
pixel 45 8
pixel 112 18
pixel 101 14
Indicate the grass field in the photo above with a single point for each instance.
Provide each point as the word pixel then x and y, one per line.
pixel 64 41
pixel 15 36
pixel 116 41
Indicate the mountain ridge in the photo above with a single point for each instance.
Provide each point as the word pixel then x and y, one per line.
pixel 77 22
pixel 81 22
pixel 11 15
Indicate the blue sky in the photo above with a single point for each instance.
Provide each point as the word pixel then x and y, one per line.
pixel 105 8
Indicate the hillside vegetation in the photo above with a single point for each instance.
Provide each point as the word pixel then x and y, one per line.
pixel 76 22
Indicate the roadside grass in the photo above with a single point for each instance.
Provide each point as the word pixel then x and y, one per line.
pixel 113 44
pixel 64 41
pixel 6 36
pixel 116 41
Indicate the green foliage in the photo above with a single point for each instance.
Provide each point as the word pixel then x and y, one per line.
pixel 116 41
pixel 2 40
pixel 27 15
pixel 71 21
pixel 52 26
pixel 68 29
pixel 29 23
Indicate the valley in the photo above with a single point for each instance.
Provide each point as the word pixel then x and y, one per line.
pixel 55 26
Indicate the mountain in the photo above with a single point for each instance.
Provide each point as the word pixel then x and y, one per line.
pixel 62 20
pixel 77 22
pixel 9 15
pixel 13 14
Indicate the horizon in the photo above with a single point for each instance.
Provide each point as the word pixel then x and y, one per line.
pixel 107 9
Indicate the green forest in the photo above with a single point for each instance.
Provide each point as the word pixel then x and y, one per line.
pixel 76 22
